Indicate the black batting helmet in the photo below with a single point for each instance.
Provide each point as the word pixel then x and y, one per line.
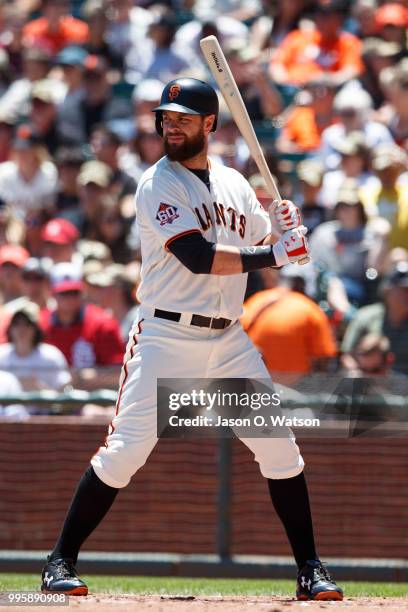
pixel 186 95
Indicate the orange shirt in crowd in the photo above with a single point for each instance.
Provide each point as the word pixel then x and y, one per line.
pixel 71 31
pixel 301 128
pixel 289 329
pixel 305 55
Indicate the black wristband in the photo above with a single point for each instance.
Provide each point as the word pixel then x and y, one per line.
pixel 257 257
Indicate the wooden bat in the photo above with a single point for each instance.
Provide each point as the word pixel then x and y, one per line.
pixel 218 65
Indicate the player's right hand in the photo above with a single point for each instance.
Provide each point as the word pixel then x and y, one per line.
pixel 292 247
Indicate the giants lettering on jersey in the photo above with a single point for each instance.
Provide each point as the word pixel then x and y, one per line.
pixel 166 213
pixel 228 217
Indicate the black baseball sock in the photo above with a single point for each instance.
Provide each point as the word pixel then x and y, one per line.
pixel 91 502
pixel 291 502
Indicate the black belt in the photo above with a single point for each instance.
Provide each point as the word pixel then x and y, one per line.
pixel 196 319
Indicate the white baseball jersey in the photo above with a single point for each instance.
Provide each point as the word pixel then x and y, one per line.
pixel 171 201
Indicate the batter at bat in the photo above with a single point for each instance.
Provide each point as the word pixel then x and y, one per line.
pixel 202 229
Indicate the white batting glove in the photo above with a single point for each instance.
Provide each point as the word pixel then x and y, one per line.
pixel 285 215
pixel 292 247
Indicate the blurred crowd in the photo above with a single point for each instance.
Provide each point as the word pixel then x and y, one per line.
pixel 325 83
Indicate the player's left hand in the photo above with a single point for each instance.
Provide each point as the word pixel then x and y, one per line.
pixel 286 215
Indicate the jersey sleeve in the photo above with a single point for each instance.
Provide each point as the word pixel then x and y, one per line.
pixel 260 223
pixel 162 203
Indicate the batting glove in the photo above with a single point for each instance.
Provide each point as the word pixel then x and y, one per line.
pixel 285 215
pixel 292 247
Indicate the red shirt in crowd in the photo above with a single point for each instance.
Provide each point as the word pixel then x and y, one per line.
pixel 93 339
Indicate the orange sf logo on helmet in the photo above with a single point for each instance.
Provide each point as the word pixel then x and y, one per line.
pixel 174 91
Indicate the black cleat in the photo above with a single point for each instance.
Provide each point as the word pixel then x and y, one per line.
pixel 315 582
pixel 59 576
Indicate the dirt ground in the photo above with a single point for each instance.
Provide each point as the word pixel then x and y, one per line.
pixel 140 603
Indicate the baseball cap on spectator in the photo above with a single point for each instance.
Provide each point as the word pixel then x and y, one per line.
pixel 94 250
pixel 59 231
pixel 388 155
pixel 39 267
pixel 96 172
pixel 45 91
pixel 392 13
pixel 148 90
pixel 25 137
pixel 71 56
pixel 13 254
pixel 115 275
pixel 358 100
pixel 65 277
pixel 310 171
pixel 349 193
pixel 30 310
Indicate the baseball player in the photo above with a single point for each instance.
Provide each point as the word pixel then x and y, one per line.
pixel 202 229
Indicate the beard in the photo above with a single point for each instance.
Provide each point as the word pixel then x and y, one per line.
pixel 186 150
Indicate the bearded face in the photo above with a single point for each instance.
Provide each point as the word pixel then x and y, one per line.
pixel 181 145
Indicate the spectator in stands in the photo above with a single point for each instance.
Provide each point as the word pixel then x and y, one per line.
pixel 105 145
pixel 12 229
pixel 306 54
pixel 276 20
pixel 363 12
pixel 95 13
pixel 372 356
pixel 127 23
pixel 145 149
pixel 146 96
pixel 306 120
pixel 36 286
pixel 351 244
pixel 36 364
pixel 112 229
pixel 354 165
pixel 290 330
pixel 43 116
pixel 310 175
pixel 60 238
pixel 388 318
pixel 99 105
pixel 7 125
pixel 378 55
pixel 55 29
pixel 117 290
pixel 352 105
pixel 395 114
pixel 261 98
pixel 387 195
pixel 36 66
pixel 94 179
pixel 12 261
pixel 86 334
pixel 71 60
pixel 29 180
pixel 68 161
pixel 155 56
pixel 392 22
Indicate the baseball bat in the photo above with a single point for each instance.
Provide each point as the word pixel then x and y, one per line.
pixel 221 71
